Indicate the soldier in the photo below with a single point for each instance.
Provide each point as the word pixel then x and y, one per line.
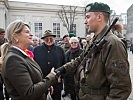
pixel 105 74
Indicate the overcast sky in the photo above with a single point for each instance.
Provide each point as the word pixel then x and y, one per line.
pixel 120 6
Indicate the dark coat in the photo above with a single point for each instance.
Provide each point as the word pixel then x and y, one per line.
pixel 49 57
pixel 69 83
pixel 23 77
pixel 71 86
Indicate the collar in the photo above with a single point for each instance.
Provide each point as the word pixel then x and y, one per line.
pixel 20 50
pixel 100 34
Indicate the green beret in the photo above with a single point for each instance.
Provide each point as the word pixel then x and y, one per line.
pixel 97 7
pixel 2 30
pixel 72 35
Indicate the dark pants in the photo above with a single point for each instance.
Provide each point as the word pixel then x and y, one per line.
pixel 1 95
pixel 57 92
pixel 1 89
pixel 6 94
pixel 69 85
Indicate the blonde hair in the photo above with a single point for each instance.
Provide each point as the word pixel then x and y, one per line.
pixel 3 50
pixel 14 27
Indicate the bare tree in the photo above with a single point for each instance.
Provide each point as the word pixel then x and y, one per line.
pixel 67 16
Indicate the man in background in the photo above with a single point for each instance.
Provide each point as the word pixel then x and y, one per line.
pixel 49 55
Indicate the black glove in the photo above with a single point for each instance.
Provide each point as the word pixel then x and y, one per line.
pixel 60 71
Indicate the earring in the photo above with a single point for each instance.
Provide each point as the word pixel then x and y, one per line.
pixel 17 41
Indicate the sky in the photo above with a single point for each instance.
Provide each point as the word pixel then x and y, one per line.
pixel 119 6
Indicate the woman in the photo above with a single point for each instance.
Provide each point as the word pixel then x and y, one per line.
pixel 22 76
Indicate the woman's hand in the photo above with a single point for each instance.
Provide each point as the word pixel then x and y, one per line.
pixel 59 77
pixel 53 71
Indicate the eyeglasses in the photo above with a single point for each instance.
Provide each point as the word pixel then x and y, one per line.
pixel 74 42
pixel 2 33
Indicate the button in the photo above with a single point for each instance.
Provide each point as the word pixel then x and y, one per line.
pixel 48 62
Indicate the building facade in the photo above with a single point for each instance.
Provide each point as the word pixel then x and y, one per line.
pixel 130 23
pixel 40 17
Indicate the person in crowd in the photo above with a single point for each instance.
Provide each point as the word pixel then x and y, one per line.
pixel 80 42
pixel 2 36
pixel 35 41
pixel 65 42
pixel 104 72
pixel 84 42
pixel 49 55
pixel 71 86
pixel 117 30
pixel 2 41
pixel 131 47
pixel 88 38
pixel 22 76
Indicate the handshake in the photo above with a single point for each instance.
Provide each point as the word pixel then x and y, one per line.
pixel 60 71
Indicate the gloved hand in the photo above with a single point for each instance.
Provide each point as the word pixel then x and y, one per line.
pixel 60 71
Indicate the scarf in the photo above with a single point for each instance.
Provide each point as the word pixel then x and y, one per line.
pixel 29 53
pixel 73 50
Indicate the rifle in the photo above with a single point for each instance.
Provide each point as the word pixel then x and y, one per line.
pixel 92 49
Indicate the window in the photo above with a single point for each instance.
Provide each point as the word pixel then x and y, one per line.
pixel 56 29
pixel 38 29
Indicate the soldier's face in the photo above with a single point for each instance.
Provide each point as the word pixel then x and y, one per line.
pixel 91 21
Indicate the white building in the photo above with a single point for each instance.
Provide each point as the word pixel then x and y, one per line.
pixel 130 23
pixel 40 17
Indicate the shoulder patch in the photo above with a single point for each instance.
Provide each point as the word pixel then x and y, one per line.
pixel 120 67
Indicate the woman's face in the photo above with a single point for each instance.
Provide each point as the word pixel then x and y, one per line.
pixel 74 44
pixel 25 37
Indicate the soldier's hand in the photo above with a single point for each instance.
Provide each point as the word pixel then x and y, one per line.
pixel 60 71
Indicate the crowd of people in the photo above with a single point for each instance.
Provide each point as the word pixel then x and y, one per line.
pixel 30 69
